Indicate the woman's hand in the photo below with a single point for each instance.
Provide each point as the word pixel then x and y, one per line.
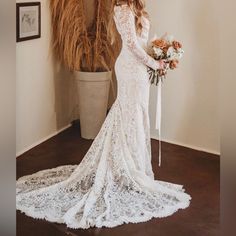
pixel 162 65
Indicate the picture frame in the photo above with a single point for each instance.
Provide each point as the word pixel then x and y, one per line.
pixel 28 21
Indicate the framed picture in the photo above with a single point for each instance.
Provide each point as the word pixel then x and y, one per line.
pixel 28 21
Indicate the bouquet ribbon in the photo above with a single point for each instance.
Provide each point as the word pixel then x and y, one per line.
pixel 157 80
pixel 158 118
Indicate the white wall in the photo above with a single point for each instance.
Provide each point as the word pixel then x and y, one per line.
pixel 46 99
pixel 44 90
pixel 190 114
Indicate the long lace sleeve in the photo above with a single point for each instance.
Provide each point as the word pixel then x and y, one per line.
pixel 125 23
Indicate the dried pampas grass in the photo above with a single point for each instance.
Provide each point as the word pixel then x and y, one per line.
pixel 76 45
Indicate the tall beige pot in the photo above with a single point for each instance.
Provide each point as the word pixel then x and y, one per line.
pixel 93 88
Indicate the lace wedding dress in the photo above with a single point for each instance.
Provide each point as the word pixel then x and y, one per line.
pixel 114 183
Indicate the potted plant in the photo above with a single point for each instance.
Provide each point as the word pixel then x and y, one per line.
pixel 82 45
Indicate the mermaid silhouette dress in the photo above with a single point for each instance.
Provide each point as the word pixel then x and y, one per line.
pixel 114 183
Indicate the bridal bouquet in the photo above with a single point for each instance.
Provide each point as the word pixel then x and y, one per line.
pixel 167 49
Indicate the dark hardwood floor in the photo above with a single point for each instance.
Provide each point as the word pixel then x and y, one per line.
pixel 199 172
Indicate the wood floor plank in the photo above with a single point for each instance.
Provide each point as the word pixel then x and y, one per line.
pixel 199 172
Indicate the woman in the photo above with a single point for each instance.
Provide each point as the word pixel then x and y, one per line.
pixel 114 183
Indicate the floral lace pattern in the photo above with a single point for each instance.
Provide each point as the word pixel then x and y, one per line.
pixel 125 24
pixel 114 183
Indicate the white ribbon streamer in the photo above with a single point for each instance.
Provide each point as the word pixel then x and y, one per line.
pixel 158 117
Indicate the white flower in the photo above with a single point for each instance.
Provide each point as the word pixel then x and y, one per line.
pixel 180 55
pixel 158 52
pixel 176 56
pixel 170 52
pixel 180 50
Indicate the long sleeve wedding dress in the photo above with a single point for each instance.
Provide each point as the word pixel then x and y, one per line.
pixel 114 183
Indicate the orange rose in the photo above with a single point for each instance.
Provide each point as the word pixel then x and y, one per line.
pixel 176 45
pixel 173 64
pixel 162 72
pixel 165 49
pixel 160 43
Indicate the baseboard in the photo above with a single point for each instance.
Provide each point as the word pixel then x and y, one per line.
pixel 42 140
pixel 152 136
pixel 188 146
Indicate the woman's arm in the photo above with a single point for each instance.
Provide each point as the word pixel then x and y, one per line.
pixel 125 22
